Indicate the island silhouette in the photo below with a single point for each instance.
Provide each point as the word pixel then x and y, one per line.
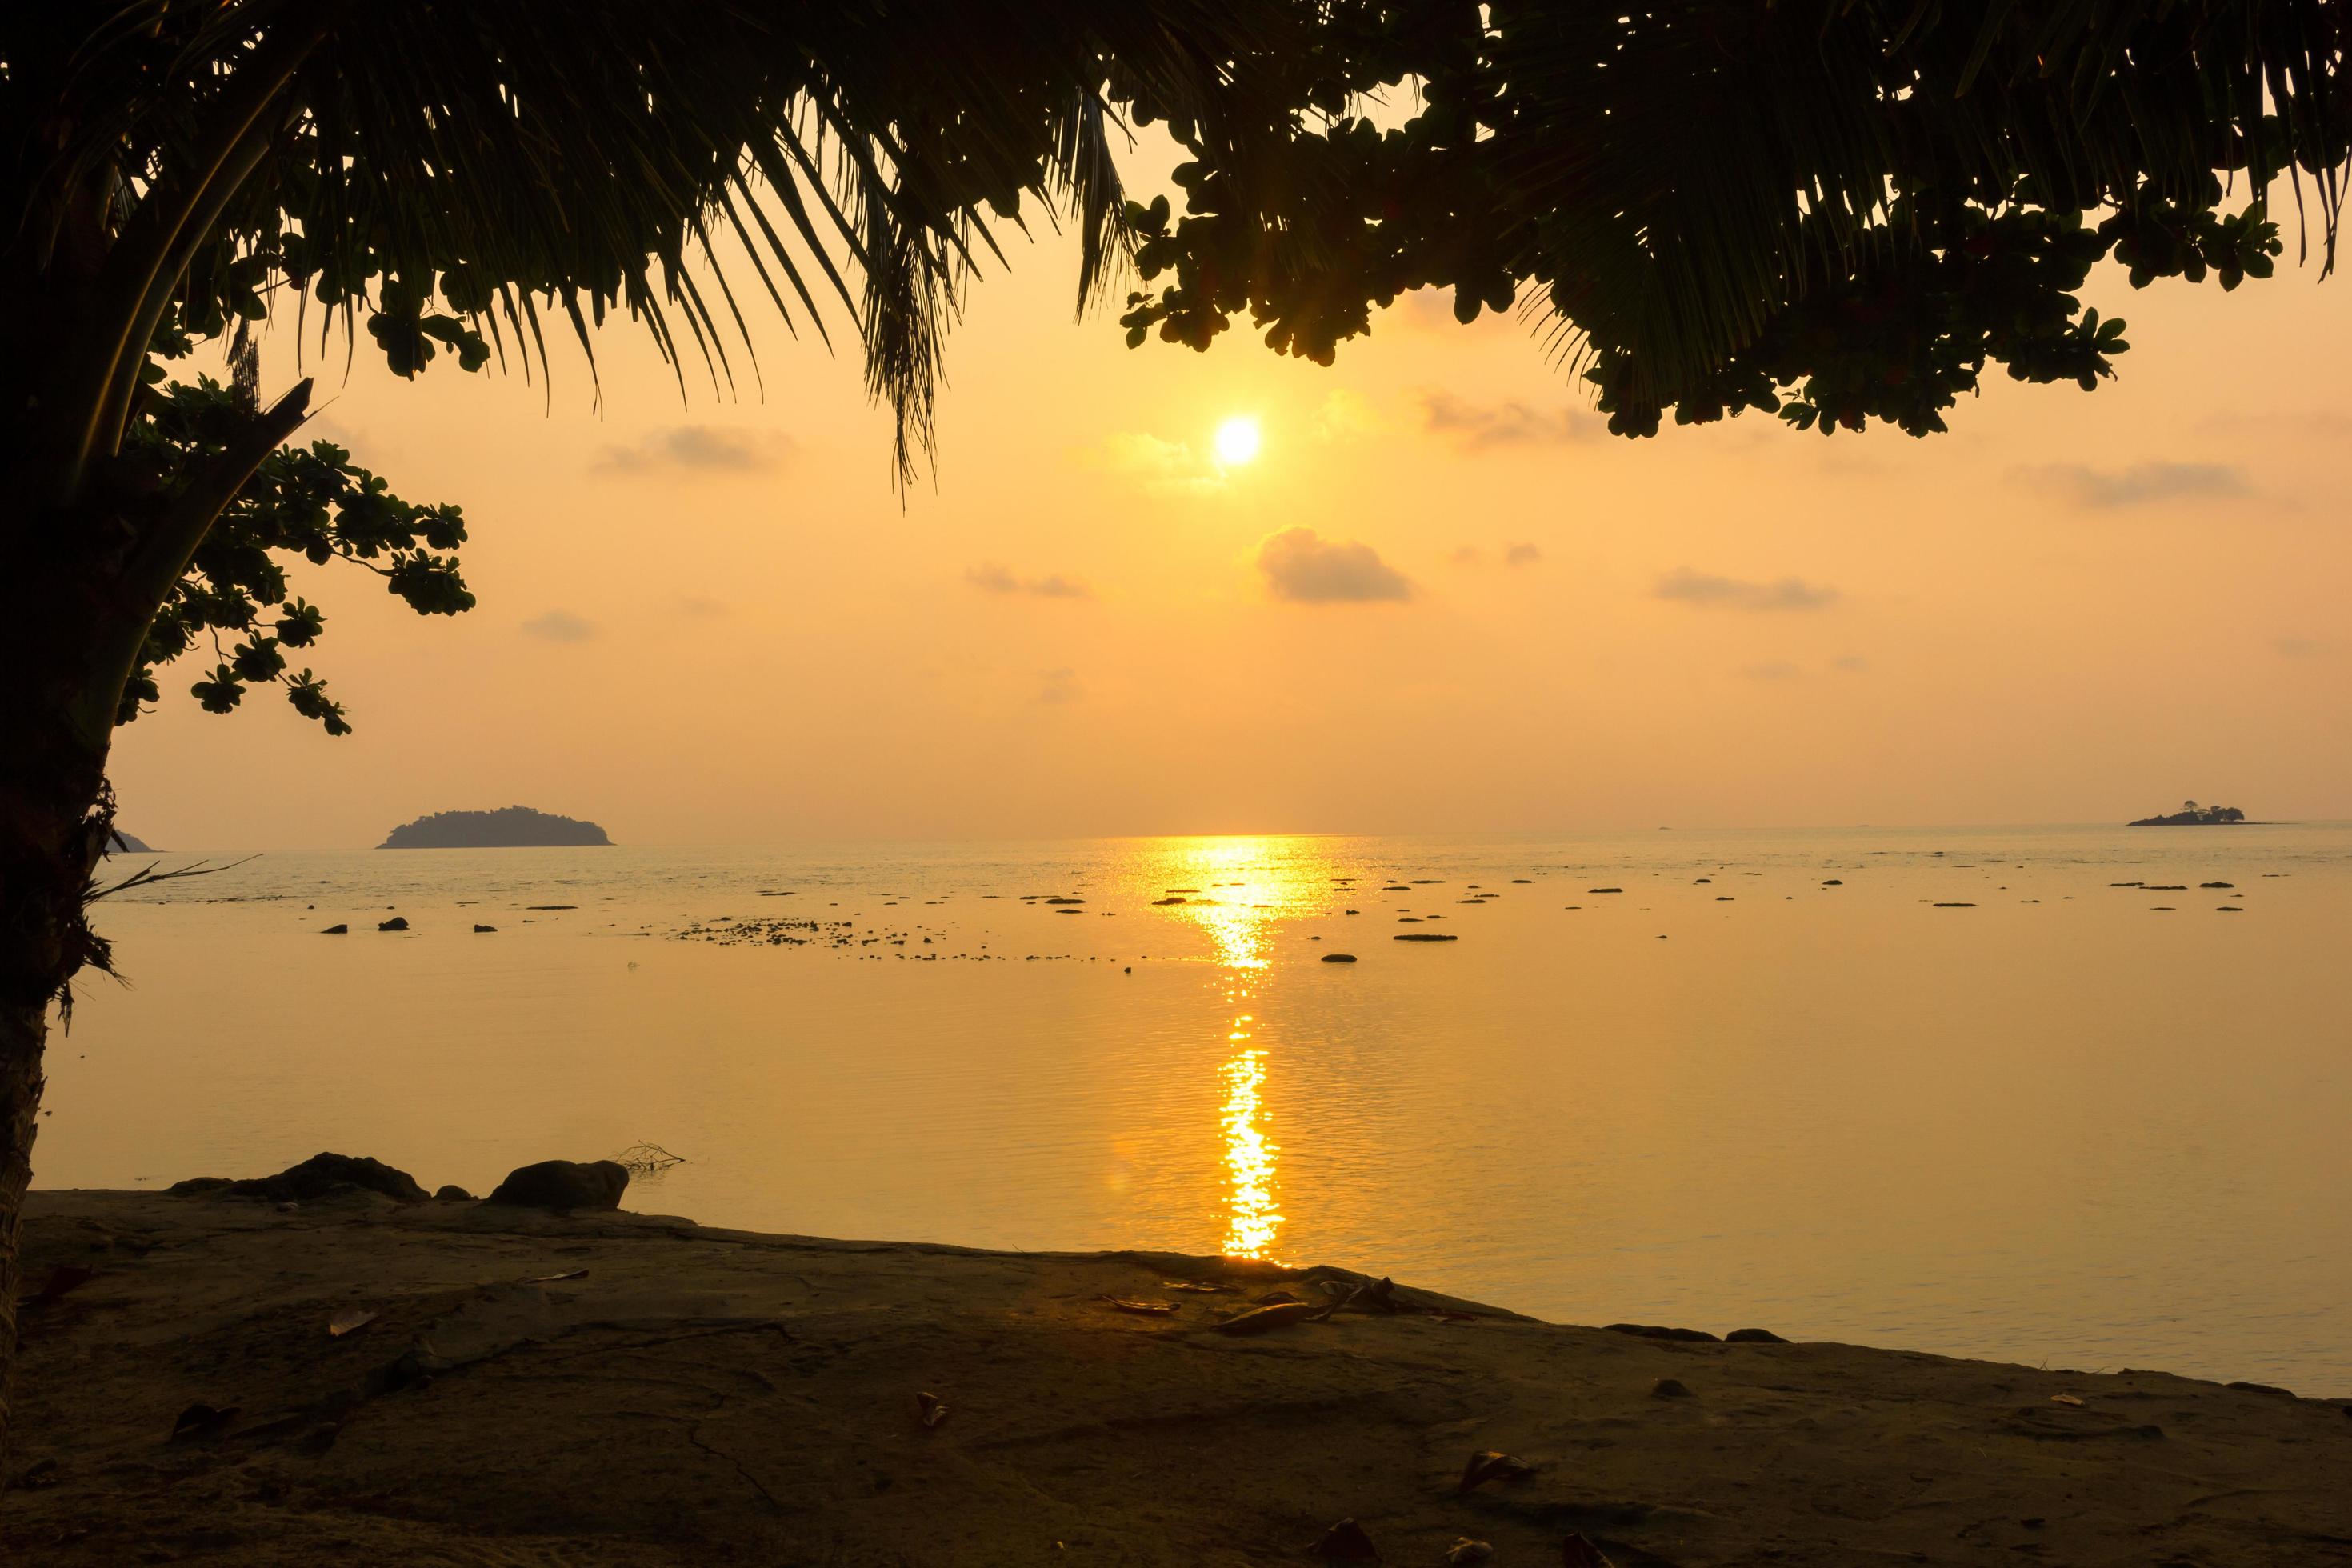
pixel 508 827
pixel 2192 814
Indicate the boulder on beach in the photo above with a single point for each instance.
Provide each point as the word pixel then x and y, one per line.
pixel 337 928
pixel 397 922
pixel 563 1185
pixel 320 1175
pixel 1660 1332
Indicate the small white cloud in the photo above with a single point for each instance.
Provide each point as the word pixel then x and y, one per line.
pixel 2141 484
pixel 1521 555
pixel 1163 466
pixel 991 578
pixel 1686 586
pixel 1772 670
pixel 1346 416
pixel 560 625
pixel 1484 425
pixel 1849 664
pixel 1303 568
pixel 705 448
pixel 1056 687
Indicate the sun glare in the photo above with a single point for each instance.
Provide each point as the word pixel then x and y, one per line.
pixel 1237 441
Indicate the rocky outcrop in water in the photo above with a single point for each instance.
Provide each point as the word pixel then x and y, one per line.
pixel 2192 814
pixel 508 827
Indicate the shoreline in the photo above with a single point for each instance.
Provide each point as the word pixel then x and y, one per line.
pixel 700 1395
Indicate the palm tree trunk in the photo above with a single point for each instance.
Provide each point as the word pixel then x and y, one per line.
pixel 21 1032
pixel 53 815
pixel 79 588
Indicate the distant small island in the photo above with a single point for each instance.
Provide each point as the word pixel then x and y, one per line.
pixel 121 842
pixel 508 827
pixel 2192 814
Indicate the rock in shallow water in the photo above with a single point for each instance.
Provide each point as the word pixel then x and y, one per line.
pixel 564 1184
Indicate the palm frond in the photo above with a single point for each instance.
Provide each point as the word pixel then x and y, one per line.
pixel 441 171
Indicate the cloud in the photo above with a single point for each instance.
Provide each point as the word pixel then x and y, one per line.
pixel 2293 647
pixel 1164 467
pixel 1056 687
pixel 1686 586
pixel 990 578
pixel 695 607
pixel 1305 569
pixel 1478 426
pixel 1346 414
pixel 1772 670
pixel 2141 484
pixel 1849 664
pixel 703 448
pixel 560 625
pixel 1514 555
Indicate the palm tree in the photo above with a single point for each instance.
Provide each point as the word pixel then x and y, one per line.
pixel 1839 209
pixel 456 177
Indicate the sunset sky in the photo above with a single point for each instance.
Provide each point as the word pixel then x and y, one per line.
pixel 1439 599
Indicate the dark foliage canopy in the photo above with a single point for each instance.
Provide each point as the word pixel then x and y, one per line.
pixel 457 179
pixel 1836 210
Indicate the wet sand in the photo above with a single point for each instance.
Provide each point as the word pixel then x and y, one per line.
pixel 706 1397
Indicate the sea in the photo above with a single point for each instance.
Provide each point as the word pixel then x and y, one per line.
pixel 2068 1096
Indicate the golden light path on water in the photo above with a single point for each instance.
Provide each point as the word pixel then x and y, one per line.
pixel 1234 921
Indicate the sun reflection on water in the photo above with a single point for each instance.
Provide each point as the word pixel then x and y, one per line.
pixel 1254 1218
pixel 1240 886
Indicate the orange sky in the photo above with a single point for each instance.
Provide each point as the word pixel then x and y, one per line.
pixel 713 622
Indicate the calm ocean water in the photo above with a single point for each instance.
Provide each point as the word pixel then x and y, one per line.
pixel 1773 1080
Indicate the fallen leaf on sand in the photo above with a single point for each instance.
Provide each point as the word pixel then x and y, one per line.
pixel 1578 1552
pixel 348 1321
pixel 1259 1319
pixel 1276 1299
pixel 930 1410
pixel 2065 1399
pixel 1202 1286
pixel 552 1279
pixel 1141 1309
pixel 200 1420
pixel 1489 1465
pixel 1346 1543
pixel 1465 1551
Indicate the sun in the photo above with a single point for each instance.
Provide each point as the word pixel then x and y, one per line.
pixel 1237 441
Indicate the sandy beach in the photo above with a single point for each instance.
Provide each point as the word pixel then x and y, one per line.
pixel 633 1389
